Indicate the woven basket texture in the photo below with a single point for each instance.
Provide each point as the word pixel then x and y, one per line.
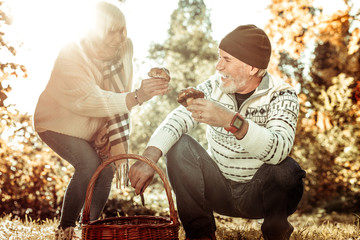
pixel 140 227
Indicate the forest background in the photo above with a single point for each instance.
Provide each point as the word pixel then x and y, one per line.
pixel 316 52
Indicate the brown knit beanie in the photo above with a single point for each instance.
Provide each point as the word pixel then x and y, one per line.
pixel 249 44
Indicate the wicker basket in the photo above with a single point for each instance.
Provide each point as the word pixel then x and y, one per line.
pixel 130 227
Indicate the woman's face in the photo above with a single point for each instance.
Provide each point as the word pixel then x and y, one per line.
pixel 115 38
pixel 112 42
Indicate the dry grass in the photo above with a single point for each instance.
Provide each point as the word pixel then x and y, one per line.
pixel 307 227
pixel 16 229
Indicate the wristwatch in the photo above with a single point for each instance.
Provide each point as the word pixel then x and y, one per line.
pixel 235 124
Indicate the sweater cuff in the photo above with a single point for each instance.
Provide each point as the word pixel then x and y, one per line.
pixel 116 103
pixel 162 140
pixel 255 139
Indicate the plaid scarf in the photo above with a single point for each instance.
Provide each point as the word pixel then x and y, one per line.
pixel 118 126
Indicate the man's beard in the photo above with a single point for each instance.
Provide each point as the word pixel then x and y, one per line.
pixel 232 85
pixel 229 88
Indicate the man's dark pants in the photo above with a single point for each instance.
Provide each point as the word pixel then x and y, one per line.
pixel 273 193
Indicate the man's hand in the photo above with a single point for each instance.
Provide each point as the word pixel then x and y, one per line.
pixel 209 112
pixel 141 174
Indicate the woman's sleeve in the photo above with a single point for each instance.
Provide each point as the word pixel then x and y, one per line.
pixel 73 86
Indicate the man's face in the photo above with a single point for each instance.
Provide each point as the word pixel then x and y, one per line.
pixel 235 74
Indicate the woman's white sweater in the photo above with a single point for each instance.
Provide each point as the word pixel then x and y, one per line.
pixel 75 101
pixel 272 113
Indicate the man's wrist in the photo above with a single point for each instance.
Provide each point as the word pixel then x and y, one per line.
pixel 240 134
pixel 236 123
pixel 152 153
pixel 228 119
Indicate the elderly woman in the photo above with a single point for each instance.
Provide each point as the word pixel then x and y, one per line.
pixel 89 88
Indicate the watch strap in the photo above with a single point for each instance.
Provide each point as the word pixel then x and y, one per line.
pixel 232 128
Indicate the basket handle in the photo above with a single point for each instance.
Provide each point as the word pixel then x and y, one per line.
pixel 90 188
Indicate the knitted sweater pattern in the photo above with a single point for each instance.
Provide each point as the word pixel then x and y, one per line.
pixel 75 101
pixel 272 113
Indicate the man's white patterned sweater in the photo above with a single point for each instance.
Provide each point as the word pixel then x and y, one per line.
pixel 272 113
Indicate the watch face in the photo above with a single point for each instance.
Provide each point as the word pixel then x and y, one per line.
pixel 237 123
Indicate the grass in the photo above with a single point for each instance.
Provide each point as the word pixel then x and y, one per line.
pixel 307 227
pixel 12 228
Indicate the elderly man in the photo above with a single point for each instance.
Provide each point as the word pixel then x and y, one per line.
pixel 251 121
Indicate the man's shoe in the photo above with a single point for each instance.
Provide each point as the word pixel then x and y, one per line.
pixel 283 236
pixel 289 232
pixel 211 237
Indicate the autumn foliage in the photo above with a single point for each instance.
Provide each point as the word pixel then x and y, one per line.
pixel 320 54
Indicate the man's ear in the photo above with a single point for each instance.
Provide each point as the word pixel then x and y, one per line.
pixel 254 71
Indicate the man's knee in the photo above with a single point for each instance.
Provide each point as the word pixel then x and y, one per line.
pixel 178 150
pixel 287 177
pixel 182 159
pixel 179 146
pixel 288 174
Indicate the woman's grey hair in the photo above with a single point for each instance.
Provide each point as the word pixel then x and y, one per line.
pixel 108 17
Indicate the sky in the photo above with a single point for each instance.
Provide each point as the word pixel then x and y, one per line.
pixel 153 25
pixel 44 26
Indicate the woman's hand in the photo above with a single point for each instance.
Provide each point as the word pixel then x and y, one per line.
pixel 209 112
pixel 152 87
pixel 149 88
